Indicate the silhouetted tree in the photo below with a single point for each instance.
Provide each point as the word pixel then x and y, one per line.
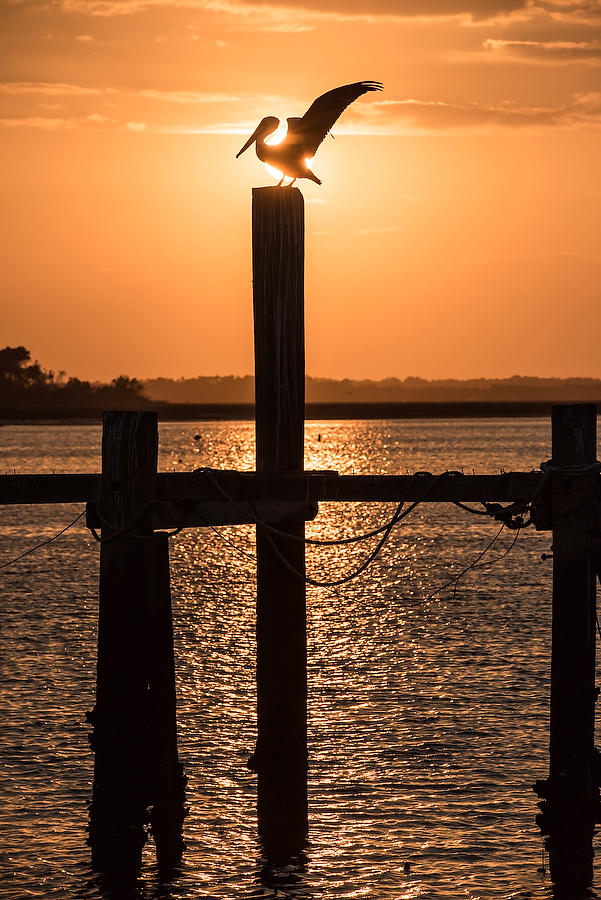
pixel 17 370
pixel 24 383
pixel 129 386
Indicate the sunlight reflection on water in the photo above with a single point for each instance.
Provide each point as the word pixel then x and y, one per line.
pixel 428 716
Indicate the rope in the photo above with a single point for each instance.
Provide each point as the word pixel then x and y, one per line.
pixel 43 543
pixel 322 542
pixel 338 581
pixel 267 530
pixel 470 509
pixel 213 528
pixel 472 565
pixel 505 514
pixel 270 530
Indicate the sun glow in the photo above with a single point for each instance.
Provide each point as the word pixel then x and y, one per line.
pixel 276 138
pixel 275 173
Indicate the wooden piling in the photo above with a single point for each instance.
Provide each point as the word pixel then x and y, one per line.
pixel 280 758
pixel 134 738
pixel 571 803
pixel 168 798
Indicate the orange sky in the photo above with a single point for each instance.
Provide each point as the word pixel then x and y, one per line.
pixel 457 232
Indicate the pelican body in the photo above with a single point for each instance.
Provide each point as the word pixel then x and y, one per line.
pixel 306 133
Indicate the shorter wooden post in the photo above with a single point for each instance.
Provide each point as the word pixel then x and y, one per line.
pixel 571 794
pixel 168 789
pixel 134 740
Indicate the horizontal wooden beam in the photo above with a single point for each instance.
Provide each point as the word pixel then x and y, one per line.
pixel 48 488
pixel 201 513
pixel 303 487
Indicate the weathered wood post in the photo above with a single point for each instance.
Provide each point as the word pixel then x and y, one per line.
pixel 571 793
pixel 280 758
pixel 136 769
pixel 168 796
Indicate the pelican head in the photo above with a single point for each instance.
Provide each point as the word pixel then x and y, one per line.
pixel 266 126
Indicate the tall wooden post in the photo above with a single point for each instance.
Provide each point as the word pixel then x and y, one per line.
pixel 572 794
pixel 134 737
pixel 280 758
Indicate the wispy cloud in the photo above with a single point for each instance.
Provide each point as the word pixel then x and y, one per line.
pixel 437 115
pixel 333 9
pixel 59 123
pixel 550 52
pixel 188 96
pixel 49 88
pixel 56 123
pixel 240 128
pixel 585 11
pixel 47 123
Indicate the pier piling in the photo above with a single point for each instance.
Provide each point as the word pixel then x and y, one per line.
pixel 571 795
pixel 280 758
pixel 136 771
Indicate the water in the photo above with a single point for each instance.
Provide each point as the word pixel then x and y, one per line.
pixel 428 714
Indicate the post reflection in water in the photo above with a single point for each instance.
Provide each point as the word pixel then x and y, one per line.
pixel 428 718
pixel 289 880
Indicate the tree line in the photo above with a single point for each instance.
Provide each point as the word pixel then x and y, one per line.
pixel 26 383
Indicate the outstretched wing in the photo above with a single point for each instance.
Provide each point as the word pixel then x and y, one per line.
pixel 324 111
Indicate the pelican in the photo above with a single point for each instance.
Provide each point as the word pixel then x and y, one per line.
pixel 305 134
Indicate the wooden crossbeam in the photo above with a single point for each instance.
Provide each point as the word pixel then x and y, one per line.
pixel 297 487
pixel 201 513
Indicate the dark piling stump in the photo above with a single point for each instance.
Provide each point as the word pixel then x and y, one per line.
pixel 168 810
pixel 280 759
pixel 570 804
pixel 134 738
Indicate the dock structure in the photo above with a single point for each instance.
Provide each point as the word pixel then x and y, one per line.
pixel 138 781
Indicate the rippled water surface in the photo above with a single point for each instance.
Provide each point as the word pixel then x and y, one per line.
pixel 428 711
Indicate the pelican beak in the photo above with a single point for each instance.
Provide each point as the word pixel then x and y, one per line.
pixel 250 141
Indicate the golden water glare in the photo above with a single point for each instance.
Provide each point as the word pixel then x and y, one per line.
pixel 405 766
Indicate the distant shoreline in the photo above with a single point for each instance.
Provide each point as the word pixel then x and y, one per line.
pixel 190 412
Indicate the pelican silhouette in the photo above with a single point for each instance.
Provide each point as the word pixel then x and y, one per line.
pixel 305 134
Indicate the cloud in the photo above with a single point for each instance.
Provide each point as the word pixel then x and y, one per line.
pixel 402 9
pixel 49 88
pixel 188 97
pixel 337 9
pixel 46 123
pixel 100 119
pixel 57 123
pixel 550 52
pixel 136 126
pixel 436 115
pixel 239 128
pixel 587 11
